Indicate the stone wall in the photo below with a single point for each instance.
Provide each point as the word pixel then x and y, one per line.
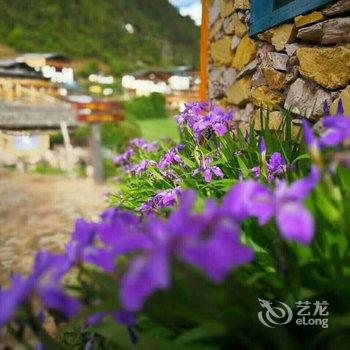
pixel 298 65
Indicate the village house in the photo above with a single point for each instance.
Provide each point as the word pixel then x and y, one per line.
pixel 25 133
pixel 30 107
pixel 18 80
pixel 274 54
pixel 54 66
pixel 179 85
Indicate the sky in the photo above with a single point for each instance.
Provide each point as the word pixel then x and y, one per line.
pixel 192 8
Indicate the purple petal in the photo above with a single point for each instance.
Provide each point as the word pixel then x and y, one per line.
pixel 217 171
pixel 263 146
pixel 220 129
pixel 256 171
pixel 340 107
pixel 295 223
pixel 84 232
pixel 130 243
pixel 207 175
pixel 96 318
pixel 125 318
pixel 101 258
pixel 56 298
pixel 338 122
pixel 332 138
pixel 277 165
pixel 220 254
pixel 325 108
pixel 12 298
pixel 146 275
pixel 299 190
pixel 249 198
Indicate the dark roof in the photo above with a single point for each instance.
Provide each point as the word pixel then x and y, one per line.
pixel 162 72
pixel 20 73
pixel 14 64
pixel 15 69
pixel 48 56
pixel 25 116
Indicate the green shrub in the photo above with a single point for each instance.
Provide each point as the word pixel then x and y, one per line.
pixel 114 136
pixel 48 170
pixel 117 136
pixel 152 107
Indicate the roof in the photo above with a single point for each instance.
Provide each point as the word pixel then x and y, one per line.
pixel 162 72
pixel 15 69
pixel 9 63
pixel 25 116
pixel 47 56
pixel 20 73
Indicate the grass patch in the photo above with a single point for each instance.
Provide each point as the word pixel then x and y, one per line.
pixel 157 129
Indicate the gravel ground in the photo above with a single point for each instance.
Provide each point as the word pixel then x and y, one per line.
pixel 38 212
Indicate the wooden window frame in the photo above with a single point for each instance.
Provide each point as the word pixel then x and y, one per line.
pixel 264 16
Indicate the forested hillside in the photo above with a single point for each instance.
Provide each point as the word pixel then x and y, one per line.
pixel 124 34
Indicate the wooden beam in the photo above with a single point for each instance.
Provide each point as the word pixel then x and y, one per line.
pixel 96 153
pixel 204 50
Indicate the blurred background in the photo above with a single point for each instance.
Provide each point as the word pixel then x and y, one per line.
pixel 78 80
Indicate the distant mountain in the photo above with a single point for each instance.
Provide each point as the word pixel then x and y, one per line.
pixel 122 34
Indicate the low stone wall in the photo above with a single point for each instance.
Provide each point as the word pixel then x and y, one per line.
pixel 298 65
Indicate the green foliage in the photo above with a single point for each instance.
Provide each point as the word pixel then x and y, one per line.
pixel 80 136
pixel 237 155
pixel 96 29
pixel 48 170
pixel 196 313
pixel 91 67
pixel 151 107
pixel 159 129
pixel 109 168
pixel 116 136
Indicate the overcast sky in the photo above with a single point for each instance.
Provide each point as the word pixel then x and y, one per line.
pixel 192 8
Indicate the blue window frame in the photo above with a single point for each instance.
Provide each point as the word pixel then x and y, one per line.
pixel 269 13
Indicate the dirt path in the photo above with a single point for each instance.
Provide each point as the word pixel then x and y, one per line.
pixel 38 212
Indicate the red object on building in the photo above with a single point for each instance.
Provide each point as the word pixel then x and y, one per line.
pixel 99 112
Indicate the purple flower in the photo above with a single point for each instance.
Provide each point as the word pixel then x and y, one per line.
pixel 276 166
pixel 337 129
pixel 147 274
pixel 208 171
pixel 253 199
pixel 256 172
pixel 172 157
pixel 12 298
pixel 124 159
pixel 262 148
pixel 249 199
pixel 44 281
pixel 137 143
pixel 144 145
pixel 125 318
pixel 219 254
pixel 140 168
pixel 150 147
pixel 293 219
pixel 207 241
pixel 204 119
pixel 95 319
pixel 161 200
